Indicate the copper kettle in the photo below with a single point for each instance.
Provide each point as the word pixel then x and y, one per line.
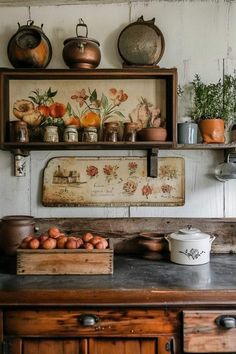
pixel 81 52
pixel 29 47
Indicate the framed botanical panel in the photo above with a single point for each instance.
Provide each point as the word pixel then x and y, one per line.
pixel 86 98
pixel 110 181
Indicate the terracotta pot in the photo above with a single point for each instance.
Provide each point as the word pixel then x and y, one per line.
pixel 29 47
pixel 152 134
pixel 13 229
pixel 81 52
pixel 212 130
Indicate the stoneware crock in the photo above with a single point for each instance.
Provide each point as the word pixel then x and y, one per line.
pixel 189 246
pixel 13 228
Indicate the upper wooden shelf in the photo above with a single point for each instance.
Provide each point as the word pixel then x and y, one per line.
pixel 157 85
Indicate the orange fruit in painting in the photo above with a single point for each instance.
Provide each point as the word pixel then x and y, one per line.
pixel 73 120
pixel 91 119
pixel 57 110
pixel 44 110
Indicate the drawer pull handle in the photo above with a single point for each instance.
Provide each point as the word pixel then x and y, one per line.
pixel 88 320
pixel 226 321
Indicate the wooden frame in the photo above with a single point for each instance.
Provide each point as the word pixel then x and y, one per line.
pixel 134 75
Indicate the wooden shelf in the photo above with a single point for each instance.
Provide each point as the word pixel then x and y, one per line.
pixel 122 145
pixel 206 146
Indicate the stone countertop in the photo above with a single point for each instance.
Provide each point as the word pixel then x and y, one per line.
pixel 135 281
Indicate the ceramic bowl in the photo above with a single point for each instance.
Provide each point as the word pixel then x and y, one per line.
pixel 152 134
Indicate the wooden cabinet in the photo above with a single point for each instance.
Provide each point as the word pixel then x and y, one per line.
pixel 91 331
pixel 117 330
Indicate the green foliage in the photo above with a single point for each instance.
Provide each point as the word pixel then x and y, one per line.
pixel 214 100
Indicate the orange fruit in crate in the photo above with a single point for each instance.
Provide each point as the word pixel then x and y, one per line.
pixel 91 119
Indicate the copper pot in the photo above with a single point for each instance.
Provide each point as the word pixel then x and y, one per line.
pixel 29 47
pixel 13 229
pixel 81 52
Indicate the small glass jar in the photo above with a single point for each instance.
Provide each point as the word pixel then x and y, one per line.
pixel 51 134
pixel 111 132
pixel 19 132
pixel 90 135
pixel 70 134
pixel 130 130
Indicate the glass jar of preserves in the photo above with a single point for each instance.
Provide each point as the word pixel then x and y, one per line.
pixel 90 135
pixel 111 131
pixel 19 131
pixel 130 130
pixel 51 134
pixel 70 134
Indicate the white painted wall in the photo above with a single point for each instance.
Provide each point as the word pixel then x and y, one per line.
pixel 198 35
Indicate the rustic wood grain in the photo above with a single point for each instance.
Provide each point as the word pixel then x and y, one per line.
pixel 202 335
pixel 111 323
pixel 64 261
pixel 124 230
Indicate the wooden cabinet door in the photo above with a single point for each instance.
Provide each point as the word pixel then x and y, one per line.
pixel 160 345
pixel 45 346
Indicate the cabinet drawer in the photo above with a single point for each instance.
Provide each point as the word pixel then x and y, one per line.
pixel 209 331
pixel 90 322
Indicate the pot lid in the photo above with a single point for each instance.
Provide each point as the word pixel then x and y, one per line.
pixel 189 234
pixel 81 38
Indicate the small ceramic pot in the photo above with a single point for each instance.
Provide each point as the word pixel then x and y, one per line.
pixel 190 246
pixel 152 134
pixel 212 130
pixel 13 229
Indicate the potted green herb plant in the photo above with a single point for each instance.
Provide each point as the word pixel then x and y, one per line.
pixel 214 107
pixel 208 109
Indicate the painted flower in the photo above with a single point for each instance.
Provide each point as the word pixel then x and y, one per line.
pixel 166 188
pixel 166 171
pixel 147 190
pixel 92 171
pixel 110 171
pixel 117 96
pixel 130 187
pixel 80 97
pixel 132 166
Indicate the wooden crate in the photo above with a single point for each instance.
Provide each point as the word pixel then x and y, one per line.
pixel 64 261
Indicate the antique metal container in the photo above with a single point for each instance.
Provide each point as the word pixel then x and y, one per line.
pixel 81 52
pixel 29 47
pixel 141 43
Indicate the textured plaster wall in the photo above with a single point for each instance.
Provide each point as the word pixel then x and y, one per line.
pixel 199 35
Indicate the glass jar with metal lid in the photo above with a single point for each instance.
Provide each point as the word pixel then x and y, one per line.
pixel 19 131
pixel 70 134
pixel 51 134
pixel 111 132
pixel 90 135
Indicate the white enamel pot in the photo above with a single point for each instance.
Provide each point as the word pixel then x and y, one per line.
pixel 190 246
